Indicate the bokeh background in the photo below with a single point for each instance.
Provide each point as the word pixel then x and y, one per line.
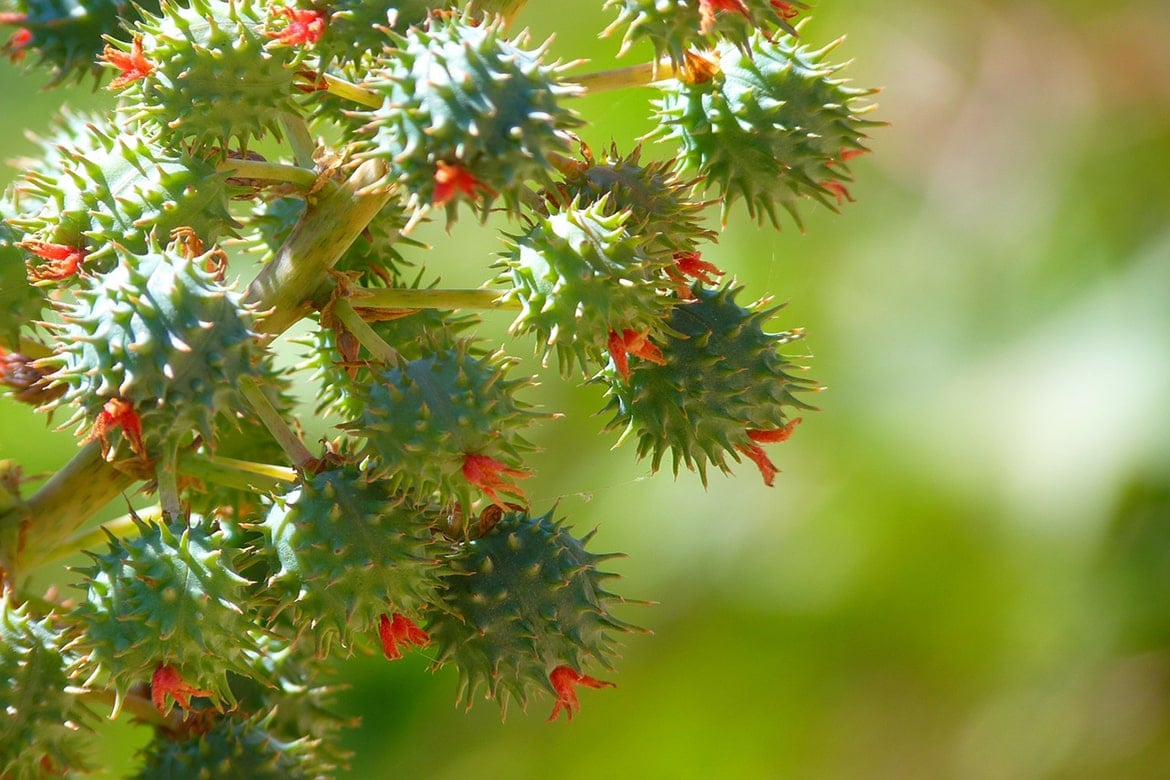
pixel 963 570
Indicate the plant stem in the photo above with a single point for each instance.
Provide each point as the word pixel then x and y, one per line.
pixel 348 90
pixel 621 78
pixel 240 474
pixel 300 139
pixel 280 430
pixel 269 172
pixel 329 225
pixel 412 298
pixel 374 344
pixel 91 538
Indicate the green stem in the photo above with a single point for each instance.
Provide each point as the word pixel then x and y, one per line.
pixel 374 344
pixel 269 172
pixel 412 298
pixel 622 78
pixel 332 221
pixel 239 474
pixel 167 476
pixel 93 538
pixel 349 91
pixel 274 422
pixel 300 139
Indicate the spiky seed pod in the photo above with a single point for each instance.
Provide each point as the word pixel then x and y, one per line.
pixel 423 419
pixel 203 72
pixel 142 188
pixel 20 302
pixel 519 602
pixel 68 35
pixel 662 210
pixel 44 728
pixel 356 31
pixel 232 746
pixel 161 334
pixel 413 333
pixel 372 259
pixel 721 376
pixel 772 126
pixel 676 26
pixel 347 552
pixel 466 113
pixel 166 597
pixel 579 277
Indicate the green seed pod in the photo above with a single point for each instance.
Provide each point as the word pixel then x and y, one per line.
pixel 771 126
pixel 101 188
pixel 45 727
pixel 676 26
pixel 428 422
pixel 166 597
pixel 579 277
pixel 160 334
pixel 233 746
pixel 68 35
pixel 204 73
pixel 466 113
pixel 347 552
pixel 522 600
pixel 661 208
pixel 720 376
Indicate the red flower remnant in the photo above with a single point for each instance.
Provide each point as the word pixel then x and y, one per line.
pixel 564 680
pixel 630 342
pixel 767 468
pixel 15 46
pixel 708 9
pixel 63 261
pixel 692 265
pixel 305 26
pixel 454 179
pixel 134 65
pixel 485 473
pixel 119 414
pixel 166 680
pixel 838 190
pixel 400 630
pixel 785 10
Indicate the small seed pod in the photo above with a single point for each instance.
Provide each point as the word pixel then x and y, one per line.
pixel 720 378
pixel 45 725
pixel 772 125
pixel 346 552
pixel 523 600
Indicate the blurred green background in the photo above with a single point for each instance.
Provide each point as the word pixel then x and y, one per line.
pixel 964 569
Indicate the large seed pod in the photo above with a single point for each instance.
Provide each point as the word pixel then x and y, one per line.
pixel 676 26
pixel 203 72
pixel 521 601
pixel 158 333
pixel 232 746
pixel 45 726
pixel 772 126
pixel 167 597
pixel 427 420
pixel 466 113
pixel 347 551
pixel 68 35
pixel 662 210
pixel 721 376
pixel 580 277
pixel 97 187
